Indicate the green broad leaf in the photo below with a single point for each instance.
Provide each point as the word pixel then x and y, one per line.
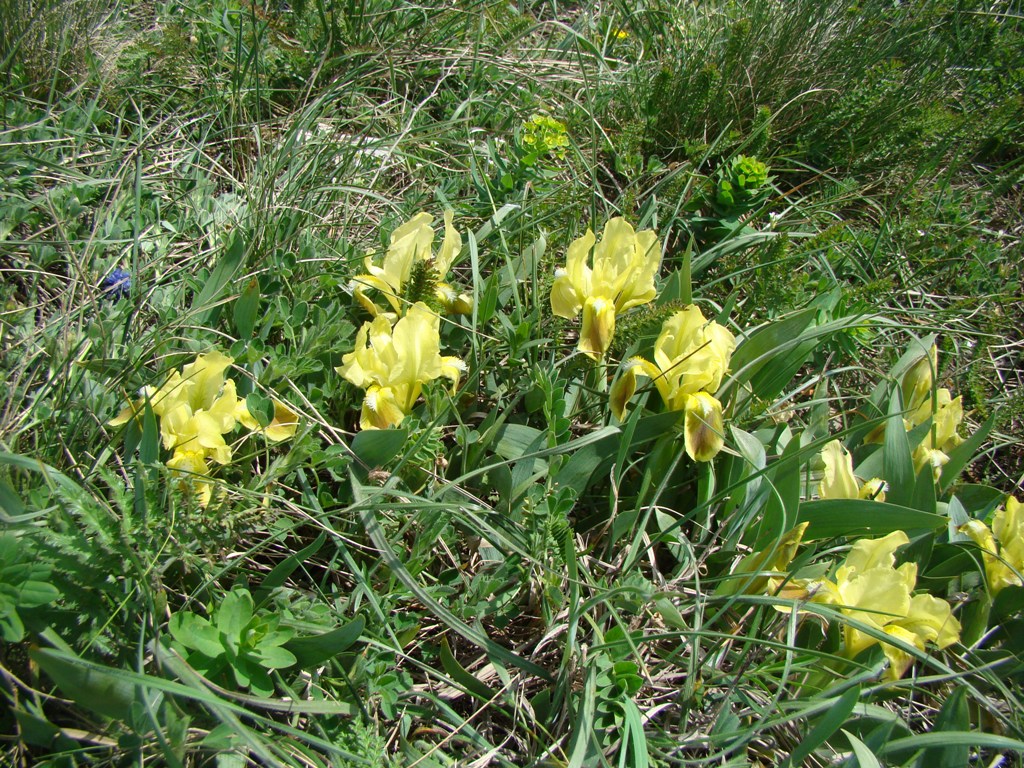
pixel 960 456
pixel 33 593
pixel 235 613
pixel 244 671
pixel 782 508
pixel 274 657
pixel 12 629
pixel 836 715
pixel 634 740
pixel 513 441
pixel 863 754
pixel 247 307
pixel 91 686
pixel 897 464
pixel 472 684
pixel 149 445
pixel 874 741
pixel 947 739
pixel 954 716
pixel 758 350
pixel 12 508
pixel 958 518
pixel 377 447
pixel 752 451
pixel 196 633
pixel 34 465
pixel 205 306
pixel 260 407
pixel 280 573
pixel 577 471
pixel 924 497
pixel 580 744
pixel 314 650
pixel 1008 603
pixel 36 730
pixel 828 518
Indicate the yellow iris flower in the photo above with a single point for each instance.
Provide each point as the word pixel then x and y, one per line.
pixel 410 244
pixel 691 357
pixel 620 275
pixel 943 437
pixel 393 364
pixel 196 408
pixel 946 413
pixel 838 480
pixel 1002 545
pixel 870 589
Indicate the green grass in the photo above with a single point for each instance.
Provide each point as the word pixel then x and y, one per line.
pixel 511 576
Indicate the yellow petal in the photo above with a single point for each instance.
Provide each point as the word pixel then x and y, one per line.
pixel 838 481
pixel 451 247
pixel 998 570
pixel 410 243
pixel 622 391
pixel 759 567
pixel 917 381
pixel 452 369
pixel 193 467
pixel 704 427
pixel 283 425
pixel 875 553
pixel 381 409
pixel 932 620
pixel 416 341
pixel 205 377
pixel 598 327
pixel 899 660
pixel 874 489
pixel 131 411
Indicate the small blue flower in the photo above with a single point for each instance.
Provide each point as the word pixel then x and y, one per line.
pixel 117 285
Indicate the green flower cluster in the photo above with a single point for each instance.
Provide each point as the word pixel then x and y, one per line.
pixel 544 136
pixel 740 181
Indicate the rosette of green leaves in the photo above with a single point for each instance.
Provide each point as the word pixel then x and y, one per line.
pixel 237 638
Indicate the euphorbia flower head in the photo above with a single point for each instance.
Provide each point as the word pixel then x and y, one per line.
pixel 412 243
pixel 620 275
pixel 393 364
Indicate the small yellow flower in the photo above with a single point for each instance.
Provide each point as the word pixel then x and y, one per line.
pixel 393 364
pixel 412 243
pixel 838 481
pixel 1002 546
pixel 870 589
pixel 943 436
pixel 620 276
pixel 197 407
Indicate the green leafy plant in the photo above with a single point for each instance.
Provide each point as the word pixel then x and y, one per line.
pixel 237 642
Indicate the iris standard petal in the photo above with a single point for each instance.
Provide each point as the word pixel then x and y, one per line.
pixel 838 481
